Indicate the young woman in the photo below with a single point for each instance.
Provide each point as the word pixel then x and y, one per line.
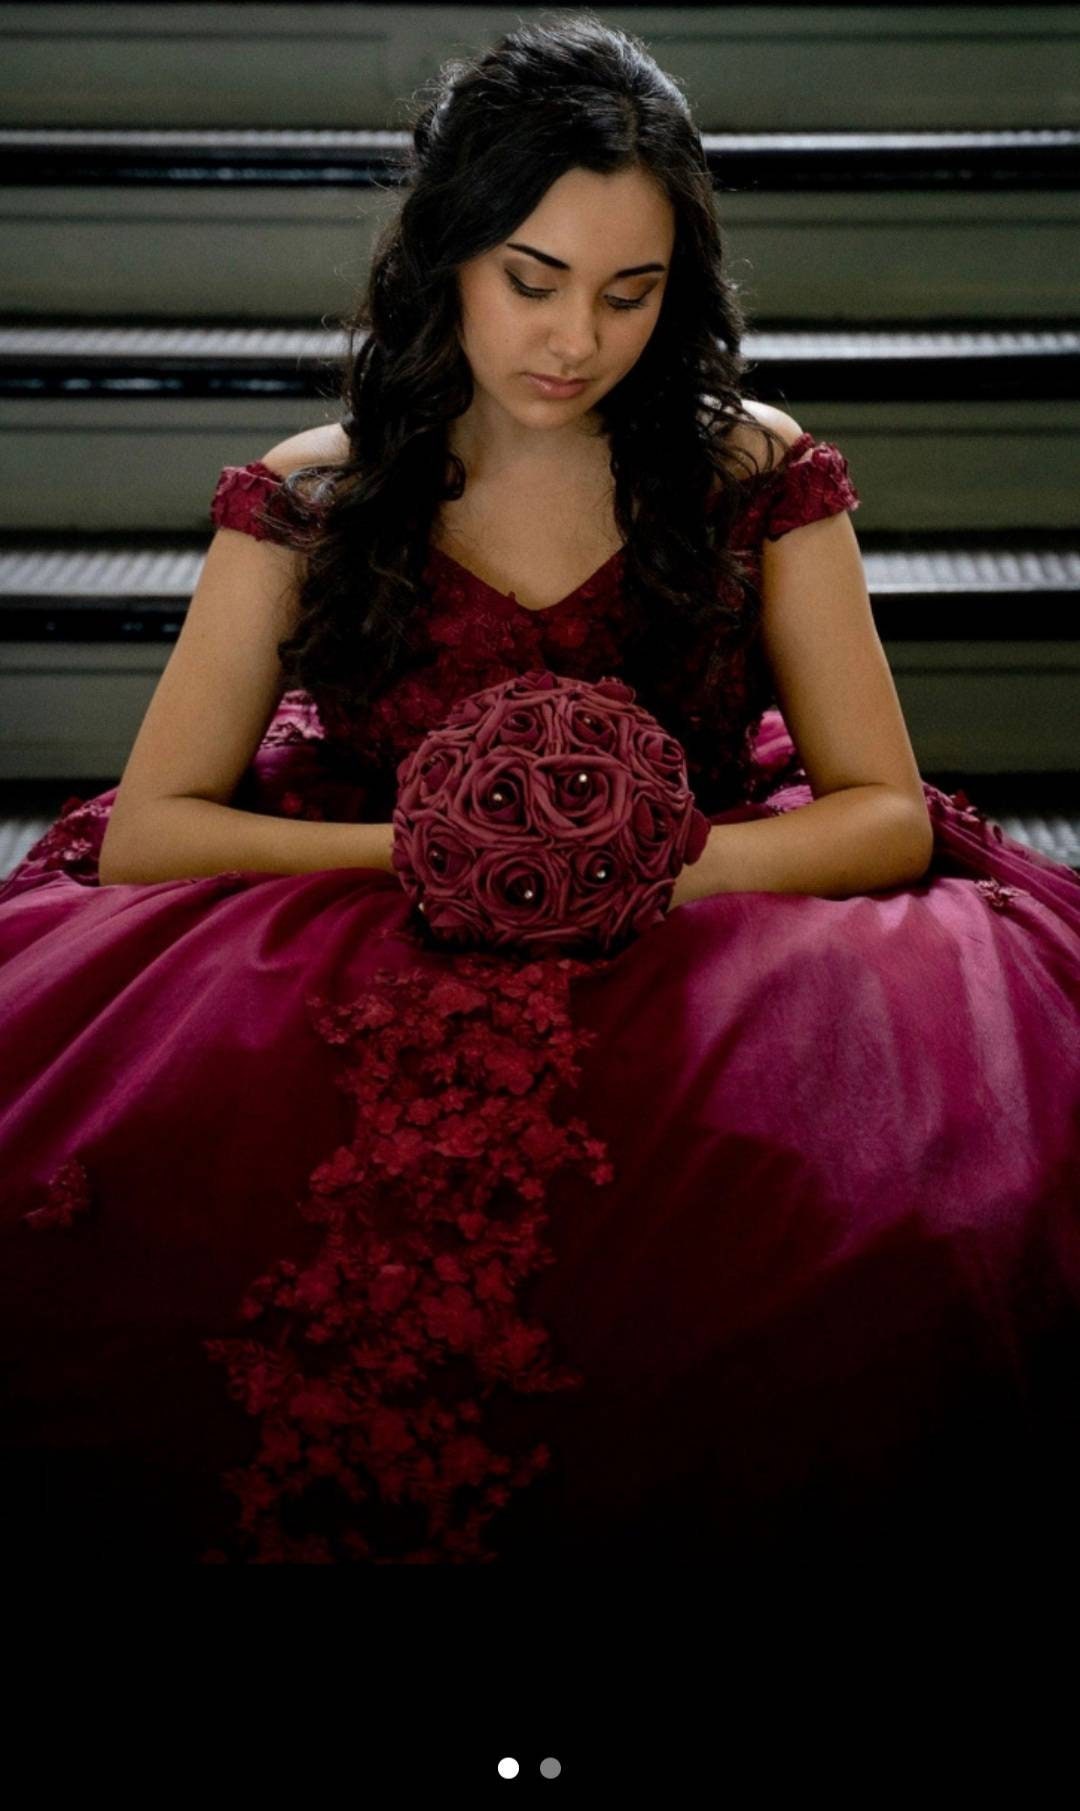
pixel 322 1245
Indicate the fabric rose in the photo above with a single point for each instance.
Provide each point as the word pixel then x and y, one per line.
pixel 545 814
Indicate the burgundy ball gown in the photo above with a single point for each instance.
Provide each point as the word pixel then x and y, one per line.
pixel 322 1246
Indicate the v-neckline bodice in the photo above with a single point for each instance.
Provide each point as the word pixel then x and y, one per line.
pixel 587 584
pixel 510 597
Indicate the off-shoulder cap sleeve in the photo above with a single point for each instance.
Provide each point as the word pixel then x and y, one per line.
pixel 241 492
pixel 812 481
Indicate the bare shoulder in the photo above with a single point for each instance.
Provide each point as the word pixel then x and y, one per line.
pixel 784 425
pixel 327 445
pixel 747 437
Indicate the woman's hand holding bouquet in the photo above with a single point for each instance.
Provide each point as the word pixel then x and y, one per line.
pixel 545 814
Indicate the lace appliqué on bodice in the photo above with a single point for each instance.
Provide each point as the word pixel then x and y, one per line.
pixel 469 636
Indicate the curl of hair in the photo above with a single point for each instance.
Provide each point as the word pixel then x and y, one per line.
pixel 490 136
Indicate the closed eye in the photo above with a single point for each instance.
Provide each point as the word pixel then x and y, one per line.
pixel 537 295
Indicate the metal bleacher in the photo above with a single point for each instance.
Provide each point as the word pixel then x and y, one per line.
pixel 190 193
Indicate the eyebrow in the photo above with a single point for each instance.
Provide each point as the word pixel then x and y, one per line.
pixel 636 270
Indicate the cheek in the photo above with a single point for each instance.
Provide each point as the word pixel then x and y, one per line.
pixel 501 324
pixel 645 330
pixel 488 321
pixel 633 339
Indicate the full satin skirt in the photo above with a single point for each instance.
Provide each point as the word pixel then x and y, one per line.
pixel 320 1245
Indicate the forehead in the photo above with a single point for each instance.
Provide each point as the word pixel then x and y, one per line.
pixel 583 217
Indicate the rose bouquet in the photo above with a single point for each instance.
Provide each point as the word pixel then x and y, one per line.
pixel 545 814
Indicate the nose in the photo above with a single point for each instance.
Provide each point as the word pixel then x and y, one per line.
pixel 573 339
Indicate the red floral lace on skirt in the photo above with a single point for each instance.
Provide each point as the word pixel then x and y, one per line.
pixel 371 1365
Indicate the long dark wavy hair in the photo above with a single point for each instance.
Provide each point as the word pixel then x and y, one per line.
pixel 491 136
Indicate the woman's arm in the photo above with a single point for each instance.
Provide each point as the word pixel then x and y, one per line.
pixel 182 838
pixel 172 817
pixel 868 826
pixel 853 841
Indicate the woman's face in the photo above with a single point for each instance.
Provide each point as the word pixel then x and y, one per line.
pixel 573 313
